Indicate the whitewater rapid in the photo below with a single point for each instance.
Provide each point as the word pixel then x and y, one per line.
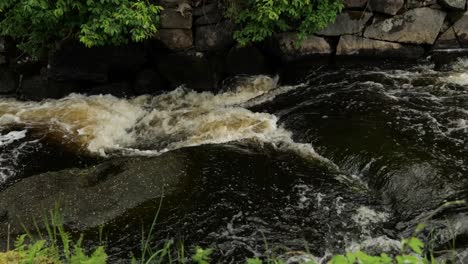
pixel 149 125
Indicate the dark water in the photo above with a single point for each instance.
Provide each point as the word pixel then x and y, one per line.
pixel 394 155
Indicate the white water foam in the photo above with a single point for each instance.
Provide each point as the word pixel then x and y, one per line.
pixel 9 157
pixel 149 125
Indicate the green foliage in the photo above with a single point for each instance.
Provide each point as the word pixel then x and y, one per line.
pixel 58 248
pixel 202 256
pixel 260 19
pixel 411 253
pixel 41 25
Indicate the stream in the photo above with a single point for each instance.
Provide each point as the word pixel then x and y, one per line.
pixel 344 159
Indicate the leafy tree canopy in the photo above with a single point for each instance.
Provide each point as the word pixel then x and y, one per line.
pixel 260 19
pixel 41 25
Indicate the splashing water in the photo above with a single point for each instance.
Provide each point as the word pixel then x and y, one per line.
pixel 150 125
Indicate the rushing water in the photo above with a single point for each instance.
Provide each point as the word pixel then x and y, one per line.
pixel 348 159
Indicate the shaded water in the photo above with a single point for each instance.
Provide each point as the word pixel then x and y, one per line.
pixel 349 158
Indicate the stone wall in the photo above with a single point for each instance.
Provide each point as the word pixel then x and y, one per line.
pixel 195 47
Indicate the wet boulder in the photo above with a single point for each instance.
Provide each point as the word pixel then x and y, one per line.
pixel 417 26
pixel 94 196
pixel 350 22
pixel 212 196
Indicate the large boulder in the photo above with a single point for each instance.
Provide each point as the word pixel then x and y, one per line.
pixel 447 40
pixel 92 197
pixel 453 4
pixel 351 22
pixel 461 29
pixel 176 39
pixel 214 37
pixel 417 26
pixel 290 48
pixel 358 46
pixel 390 7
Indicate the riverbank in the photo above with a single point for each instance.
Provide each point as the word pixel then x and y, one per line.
pixel 195 47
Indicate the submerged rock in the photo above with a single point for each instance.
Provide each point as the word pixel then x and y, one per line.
pixel 417 26
pixel 213 196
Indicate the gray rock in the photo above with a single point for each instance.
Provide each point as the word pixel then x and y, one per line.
pixel 447 40
pixel 418 26
pixel 171 18
pixel 176 39
pixel 214 37
pixel 453 4
pixel 358 46
pixel 461 29
pixel 419 3
pixel 390 7
pixel 355 3
pixel 290 49
pixel 7 81
pixel 347 23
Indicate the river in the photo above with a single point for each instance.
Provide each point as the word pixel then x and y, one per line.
pixel 345 158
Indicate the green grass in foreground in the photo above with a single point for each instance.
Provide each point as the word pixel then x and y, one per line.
pixel 57 247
